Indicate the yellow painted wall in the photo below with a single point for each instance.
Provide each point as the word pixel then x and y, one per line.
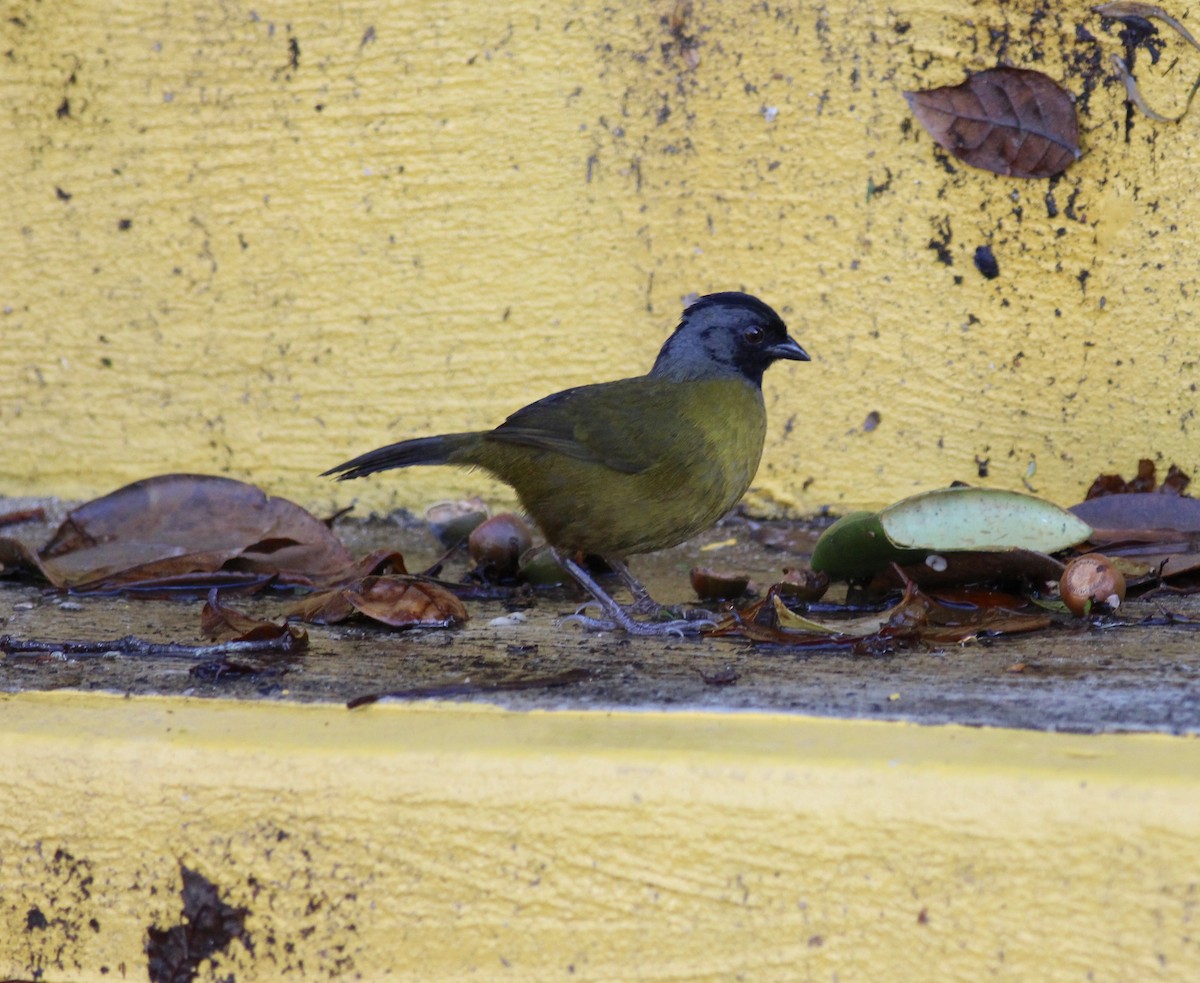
pixel 451 843
pixel 255 239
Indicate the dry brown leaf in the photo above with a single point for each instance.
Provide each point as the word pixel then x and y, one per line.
pixel 326 607
pixel 1114 484
pixel 916 618
pixel 402 602
pixel 17 556
pixel 802 584
pixel 1140 517
pixel 377 562
pixel 165 528
pixel 1179 564
pixel 225 624
pixel 1010 121
pixel 955 568
pixel 221 622
pixel 1175 483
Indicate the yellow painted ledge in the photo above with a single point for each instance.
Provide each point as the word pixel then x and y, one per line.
pixel 447 842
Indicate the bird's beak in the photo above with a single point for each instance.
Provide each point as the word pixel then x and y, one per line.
pixel 789 349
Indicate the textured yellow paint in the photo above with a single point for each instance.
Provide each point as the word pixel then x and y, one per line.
pixel 256 239
pixel 447 842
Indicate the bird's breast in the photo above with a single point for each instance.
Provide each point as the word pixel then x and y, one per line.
pixel 724 423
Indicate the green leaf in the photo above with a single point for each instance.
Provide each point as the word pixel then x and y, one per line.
pixel 861 544
pixel 981 519
pixel 855 547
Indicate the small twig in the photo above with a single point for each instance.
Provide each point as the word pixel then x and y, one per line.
pixel 482 592
pixel 435 568
pixel 22 515
pixel 329 520
pixel 1134 95
pixel 133 645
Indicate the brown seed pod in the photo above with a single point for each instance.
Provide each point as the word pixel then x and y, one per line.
pixel 496 545
pixel 1090 583
pixel 713 585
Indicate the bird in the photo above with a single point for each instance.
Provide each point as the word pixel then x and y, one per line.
pixel 634 465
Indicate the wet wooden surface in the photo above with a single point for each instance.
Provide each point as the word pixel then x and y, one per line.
pixel 1078 679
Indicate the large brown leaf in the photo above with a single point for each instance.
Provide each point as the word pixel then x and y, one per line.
pixel 1010 121
pixel 172 527
pixel 1145 517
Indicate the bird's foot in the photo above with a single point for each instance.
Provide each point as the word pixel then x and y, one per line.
pixel 619 619
pixel 645 606
pixel 648 608
pixel 691 614
pixel 676 629
pixel 615 617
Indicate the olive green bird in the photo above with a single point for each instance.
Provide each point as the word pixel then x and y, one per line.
pixel 635 465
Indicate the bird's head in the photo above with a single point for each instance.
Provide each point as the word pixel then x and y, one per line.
pixel 726 334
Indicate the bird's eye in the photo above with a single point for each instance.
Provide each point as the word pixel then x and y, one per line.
pixel 754 335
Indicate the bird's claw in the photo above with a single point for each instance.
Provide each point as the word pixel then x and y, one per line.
pixel 589 624
pixel 615 617
pixel 675 629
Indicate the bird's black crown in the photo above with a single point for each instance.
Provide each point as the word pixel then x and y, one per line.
pixel 725 334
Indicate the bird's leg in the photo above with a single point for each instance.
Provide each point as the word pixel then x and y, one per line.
pixel 646 605
pixel 643 603
pixel 617 616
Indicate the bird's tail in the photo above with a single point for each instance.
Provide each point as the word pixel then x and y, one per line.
pixel 421 450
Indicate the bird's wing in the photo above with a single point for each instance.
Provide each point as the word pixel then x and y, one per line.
pixel 603 423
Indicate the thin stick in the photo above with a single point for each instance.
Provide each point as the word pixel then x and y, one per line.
pixel 133 645
pixel 22 515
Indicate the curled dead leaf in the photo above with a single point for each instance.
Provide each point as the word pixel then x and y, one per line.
pixel 398 601
pixel 225 624
pixel 173 527
pixel 802 584
pixel 16 556
pixel 916 618
pixel 1010 121
pixel 1175 483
